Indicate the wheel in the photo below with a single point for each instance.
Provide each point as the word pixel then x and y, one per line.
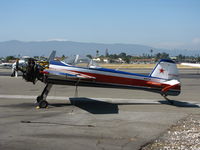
pixel 39 98
pixel 43 104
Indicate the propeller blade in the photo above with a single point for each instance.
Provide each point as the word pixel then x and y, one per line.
pixel 17 64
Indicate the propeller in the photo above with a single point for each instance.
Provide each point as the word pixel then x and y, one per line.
pixel 32 69
pixel 15 68
pixel 29 73
pixel 17 64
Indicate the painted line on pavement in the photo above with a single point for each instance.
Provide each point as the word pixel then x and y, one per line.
pixel 110 100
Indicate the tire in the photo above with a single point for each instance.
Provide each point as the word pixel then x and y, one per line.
pixel 43 104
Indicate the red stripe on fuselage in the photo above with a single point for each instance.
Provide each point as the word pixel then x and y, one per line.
pixel 127 81
pixel 120 80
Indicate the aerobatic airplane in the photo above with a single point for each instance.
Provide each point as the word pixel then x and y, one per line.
pixel 164 79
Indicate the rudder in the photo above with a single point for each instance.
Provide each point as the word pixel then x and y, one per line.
pixel 165 69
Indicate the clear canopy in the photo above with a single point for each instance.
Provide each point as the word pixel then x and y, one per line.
pixel 80 61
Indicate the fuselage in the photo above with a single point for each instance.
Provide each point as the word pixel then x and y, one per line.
pixel 103 77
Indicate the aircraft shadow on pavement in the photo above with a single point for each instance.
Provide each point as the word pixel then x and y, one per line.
pixel 92 106
pixel 179 103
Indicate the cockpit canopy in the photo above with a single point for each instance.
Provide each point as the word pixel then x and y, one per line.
pixel 81 61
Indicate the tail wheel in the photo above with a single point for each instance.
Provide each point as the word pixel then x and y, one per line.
pixel 165 96
pixel 43 104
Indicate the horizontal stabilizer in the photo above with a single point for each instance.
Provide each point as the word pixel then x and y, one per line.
pixel 171 84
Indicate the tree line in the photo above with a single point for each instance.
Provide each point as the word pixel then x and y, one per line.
pixel 153 58
pixel 129 58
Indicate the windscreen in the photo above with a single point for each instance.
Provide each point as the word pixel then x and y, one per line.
pixel 80 61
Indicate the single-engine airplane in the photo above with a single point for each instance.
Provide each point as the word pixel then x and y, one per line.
pixel 164 79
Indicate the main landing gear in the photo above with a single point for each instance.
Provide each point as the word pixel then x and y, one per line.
pixel 41 100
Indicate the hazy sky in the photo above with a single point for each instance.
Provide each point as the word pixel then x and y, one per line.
pixel 158 23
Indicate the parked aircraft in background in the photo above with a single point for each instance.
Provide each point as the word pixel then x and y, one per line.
pixel 6 65
pixel 191 64
pixel 21 63
pixel 77 71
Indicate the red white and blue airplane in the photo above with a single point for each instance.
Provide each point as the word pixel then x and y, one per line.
pixel 164 79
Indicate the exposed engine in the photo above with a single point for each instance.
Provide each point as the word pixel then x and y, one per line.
pixel 31 71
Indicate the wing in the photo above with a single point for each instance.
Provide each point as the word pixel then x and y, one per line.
pixel 67 73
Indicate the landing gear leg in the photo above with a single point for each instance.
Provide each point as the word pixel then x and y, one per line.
pixel 167 99
pixel 41 100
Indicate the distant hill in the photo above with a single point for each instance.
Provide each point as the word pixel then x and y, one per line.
pixel 38 48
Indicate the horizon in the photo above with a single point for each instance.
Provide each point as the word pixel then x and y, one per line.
pixel 34 48
pixel 159 24
pixel 59 40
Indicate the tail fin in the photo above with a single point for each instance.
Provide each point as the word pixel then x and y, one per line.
pixel 166 69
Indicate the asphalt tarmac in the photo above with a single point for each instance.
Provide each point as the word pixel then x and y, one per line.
pixel 98 118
